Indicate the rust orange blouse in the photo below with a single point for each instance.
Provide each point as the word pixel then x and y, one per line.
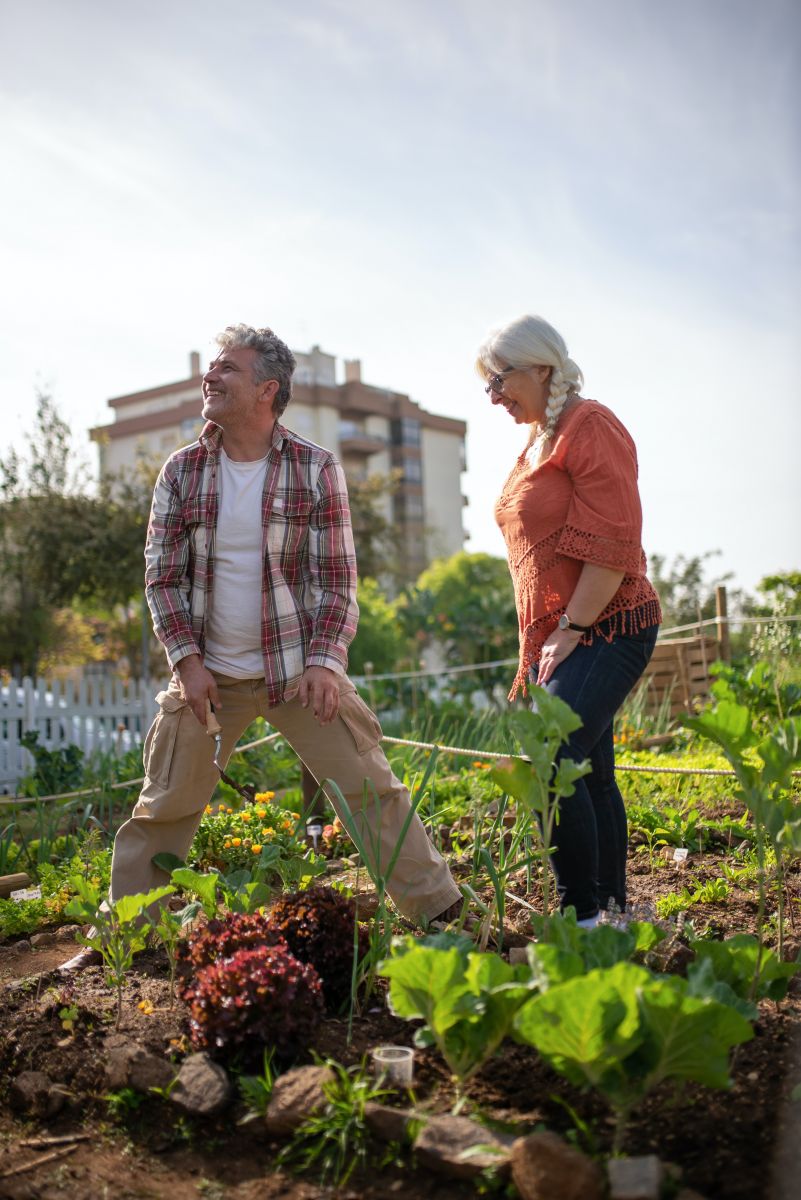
pixel 581 505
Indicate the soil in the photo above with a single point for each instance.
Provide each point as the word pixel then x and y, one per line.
pixel 743 1144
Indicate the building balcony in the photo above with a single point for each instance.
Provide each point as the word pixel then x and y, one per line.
pixel 355 442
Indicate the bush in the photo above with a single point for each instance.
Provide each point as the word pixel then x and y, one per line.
pixel 318 926
pixel 255 998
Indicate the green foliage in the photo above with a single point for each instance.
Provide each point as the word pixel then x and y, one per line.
pixel 758 689
pixel 336 1140
pixel 750 970
pixel 683 588
pixel 55 771
pixel 623 1031
pixel 118 929
pixel 379 639
pixel 466 602
pixel 467 1000
pixel 539 784
pixel 257 1090
pixel 28 916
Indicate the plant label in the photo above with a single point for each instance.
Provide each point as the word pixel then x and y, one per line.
pixel 33 893
pixel 680 854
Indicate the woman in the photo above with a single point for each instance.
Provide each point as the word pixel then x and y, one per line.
pixel 571 518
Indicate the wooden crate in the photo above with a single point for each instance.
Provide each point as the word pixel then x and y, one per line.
pixel 679 668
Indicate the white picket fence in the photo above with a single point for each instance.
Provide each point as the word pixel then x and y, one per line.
pixel 97 713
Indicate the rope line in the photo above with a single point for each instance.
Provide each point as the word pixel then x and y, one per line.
pixel 464 751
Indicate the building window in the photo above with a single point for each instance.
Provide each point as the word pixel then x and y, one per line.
pixel 413 507
pixel 412 470
pixel 406 432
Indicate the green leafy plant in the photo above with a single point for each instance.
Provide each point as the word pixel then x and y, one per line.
pixel 466 999
pixel 55 771
pixel 336 1140
pixel 169 927
pixel 257 1090
pixel 763 765
pixel 749 972
pixel 118 929
pixel 540 783
pixel 623 1031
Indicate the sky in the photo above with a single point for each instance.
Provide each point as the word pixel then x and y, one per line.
pixel 390 179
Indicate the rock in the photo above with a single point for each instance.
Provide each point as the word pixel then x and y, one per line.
pixel 296 1095
pixel 635 1178
pixel 518 954
pixel 544 1167
pixel 446 1144
pixel 202 1086
pixel 47 938
pixel 130 1065
pixel 389 1124
pixel 23 946
pixel 35 1094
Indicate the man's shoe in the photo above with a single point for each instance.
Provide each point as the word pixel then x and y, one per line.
pixel 86 957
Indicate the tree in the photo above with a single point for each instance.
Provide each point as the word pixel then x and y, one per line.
pixel 378 540
pixel 682 587
pixel 379 639
pixel 58 543
pixel 466 602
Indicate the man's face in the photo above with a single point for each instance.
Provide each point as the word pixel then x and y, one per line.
pixel 230 392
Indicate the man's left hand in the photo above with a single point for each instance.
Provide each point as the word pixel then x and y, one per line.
pixel 320 687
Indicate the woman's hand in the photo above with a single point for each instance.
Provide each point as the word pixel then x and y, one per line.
pixel 559 646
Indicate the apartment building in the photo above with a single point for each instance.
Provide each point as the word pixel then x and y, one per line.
pixel 372 430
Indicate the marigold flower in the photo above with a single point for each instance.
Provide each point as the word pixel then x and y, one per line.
pixel 261 812
pixel 227 844
pixel 245 817
pixel 236 841
pixel 208 809
pixel 146 1007
pixel 295 815
pixel 268 832
pixel 229 810
pixel 255 849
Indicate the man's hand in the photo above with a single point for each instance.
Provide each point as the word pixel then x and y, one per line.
pixel 559 646
pixel 198 685
pixel 320 686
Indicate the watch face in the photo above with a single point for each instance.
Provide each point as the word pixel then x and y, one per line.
pixel 563 621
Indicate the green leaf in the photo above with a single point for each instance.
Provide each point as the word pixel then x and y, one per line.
pixel 204 886
pixel 167 862
pixel 516 778
pixel 566 774
pixel 728 724
pixel 128 908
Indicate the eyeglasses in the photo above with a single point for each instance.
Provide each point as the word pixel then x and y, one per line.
pixel 495 384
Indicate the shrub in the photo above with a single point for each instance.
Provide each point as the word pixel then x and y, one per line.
pixel 219 939
pixel 318 926
pixel 255 998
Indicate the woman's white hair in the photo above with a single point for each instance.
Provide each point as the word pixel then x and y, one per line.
pixel 530 341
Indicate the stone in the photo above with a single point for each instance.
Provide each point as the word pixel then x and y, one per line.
pixel 635 1178
pixel 47 938
pixel 447 1144
pixel 518 954
pixel 545 1167
pixel 202 1087
pixel 35 1094
pixel 389 1124
pixel 130 1065
pixel 296 1095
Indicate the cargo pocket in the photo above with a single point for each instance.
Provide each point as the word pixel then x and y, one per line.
pixel 361 723
pixel 159 747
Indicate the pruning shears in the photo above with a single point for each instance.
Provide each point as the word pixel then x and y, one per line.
pixel 214 729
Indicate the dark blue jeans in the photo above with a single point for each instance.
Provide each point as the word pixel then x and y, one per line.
pixel 592 835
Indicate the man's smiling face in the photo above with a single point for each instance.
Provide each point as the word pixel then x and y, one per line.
pixel 230 390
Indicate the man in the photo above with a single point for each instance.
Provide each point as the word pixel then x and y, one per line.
pixel 251 582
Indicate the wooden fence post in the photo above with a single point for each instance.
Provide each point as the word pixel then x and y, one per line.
pixel 722 613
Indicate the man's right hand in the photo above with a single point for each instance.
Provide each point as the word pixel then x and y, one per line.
pixel 198 685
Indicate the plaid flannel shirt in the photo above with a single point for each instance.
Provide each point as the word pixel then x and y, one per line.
pixel 309 612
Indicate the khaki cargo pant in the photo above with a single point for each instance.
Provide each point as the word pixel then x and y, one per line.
pixel 181 777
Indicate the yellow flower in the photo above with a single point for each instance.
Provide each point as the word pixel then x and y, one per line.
pixel 229 810
pixel 295 815
pixel 208 809
pixel 256 849
pixel 246 817
pixel 264 797
pixel 146 1007
pixel 268 832
pixel 227 844
pixel 236 841
pixel 261 813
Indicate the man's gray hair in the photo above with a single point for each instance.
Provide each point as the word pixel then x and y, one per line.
pixel 274 361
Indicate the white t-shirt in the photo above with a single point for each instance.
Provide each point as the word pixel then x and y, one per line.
pixel 233 624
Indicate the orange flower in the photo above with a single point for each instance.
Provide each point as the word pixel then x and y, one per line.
pixel 236 841
pixel 245 817
pixel 256 849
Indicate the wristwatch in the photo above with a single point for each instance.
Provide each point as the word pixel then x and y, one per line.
pixel 566 623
